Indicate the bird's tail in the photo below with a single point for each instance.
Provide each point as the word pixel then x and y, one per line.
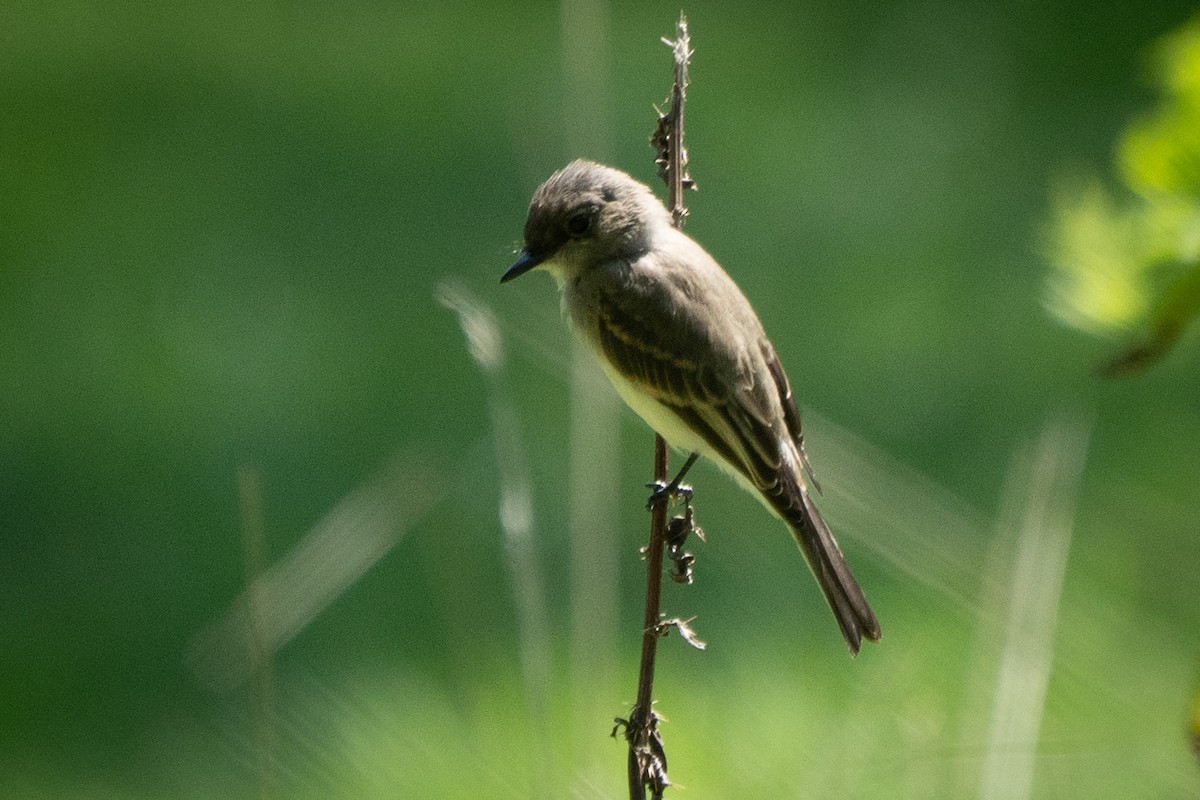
pixel 845 596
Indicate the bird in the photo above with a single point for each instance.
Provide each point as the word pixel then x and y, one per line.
pixel 686 352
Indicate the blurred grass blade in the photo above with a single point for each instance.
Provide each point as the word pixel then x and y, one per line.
pixel 485 343
pixel 589 125
pixel 1044 538
pixel 893 510
pixel 328 560
pixel 261 666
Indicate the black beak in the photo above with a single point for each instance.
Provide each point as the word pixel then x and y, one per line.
pixel 525 262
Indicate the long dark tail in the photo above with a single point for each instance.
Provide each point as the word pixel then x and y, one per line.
pixel 845 596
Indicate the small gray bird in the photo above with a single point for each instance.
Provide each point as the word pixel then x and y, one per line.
pixel 685 350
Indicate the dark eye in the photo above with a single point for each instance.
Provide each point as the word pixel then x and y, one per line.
pixel 580 223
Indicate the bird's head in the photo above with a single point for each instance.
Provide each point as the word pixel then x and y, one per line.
pixel 585 215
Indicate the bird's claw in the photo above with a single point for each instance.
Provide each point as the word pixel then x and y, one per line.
pixel 667 491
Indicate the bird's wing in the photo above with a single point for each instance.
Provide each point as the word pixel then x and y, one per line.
pixel 672 354
pixel 791 414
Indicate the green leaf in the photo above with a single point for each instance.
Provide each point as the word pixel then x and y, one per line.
pixel 1128 263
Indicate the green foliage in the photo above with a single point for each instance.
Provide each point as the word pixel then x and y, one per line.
pixel 1134 263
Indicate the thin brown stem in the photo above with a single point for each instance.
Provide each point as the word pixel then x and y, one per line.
pixel 647 762
pixel 647 759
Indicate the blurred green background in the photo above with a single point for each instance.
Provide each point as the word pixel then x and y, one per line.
pixel 230 234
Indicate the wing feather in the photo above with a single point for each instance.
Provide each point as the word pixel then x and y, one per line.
pixel 664 354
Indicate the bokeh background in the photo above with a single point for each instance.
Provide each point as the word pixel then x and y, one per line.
pixel 297 501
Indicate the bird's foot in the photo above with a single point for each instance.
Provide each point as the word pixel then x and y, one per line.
pixel 673 490
pixel 667 492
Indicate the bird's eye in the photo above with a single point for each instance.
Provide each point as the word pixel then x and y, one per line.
pixel 579 224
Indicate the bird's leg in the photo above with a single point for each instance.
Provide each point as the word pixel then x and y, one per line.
pixel 675 488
